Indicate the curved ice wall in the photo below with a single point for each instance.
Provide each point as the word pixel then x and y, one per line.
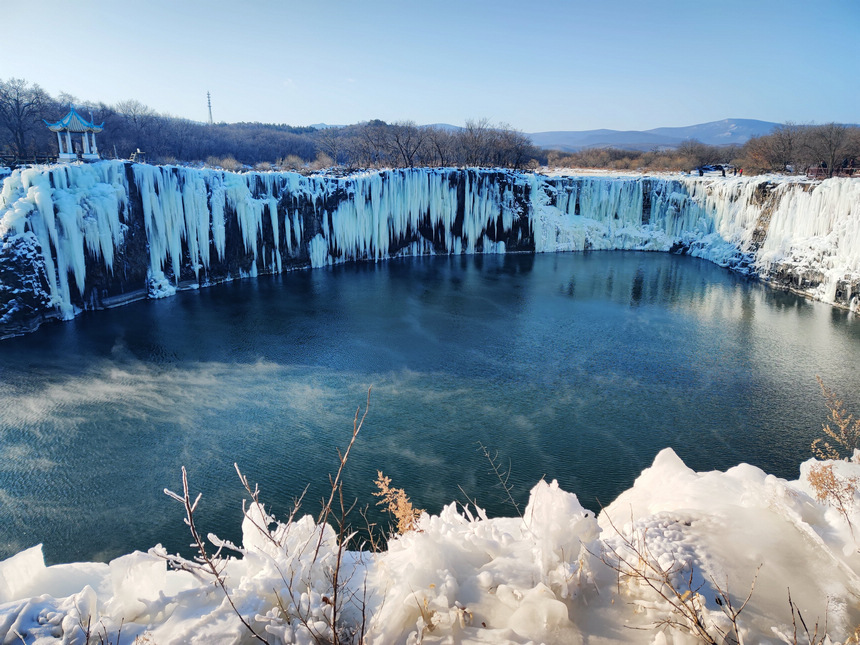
pixel 89 236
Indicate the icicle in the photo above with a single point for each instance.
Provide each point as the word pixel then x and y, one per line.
pixel 196 209
pixel 318 251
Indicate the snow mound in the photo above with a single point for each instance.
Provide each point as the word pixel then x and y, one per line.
pixel 558 574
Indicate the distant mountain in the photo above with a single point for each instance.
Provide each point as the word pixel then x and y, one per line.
pixel 715 133
pixel 720 132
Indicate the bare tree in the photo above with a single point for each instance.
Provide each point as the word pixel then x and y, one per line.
pixel 513 148
pixel 758 154
pixel 831 143
pixel 66 99
pixel 329 140
pixel 134 125
pixel 407 138
pixel 137 114
pixel 785 146
pixel 375 137
pixel 22 106
pixel 178 136
pixel 475 142
pixel 440 146
pixel 695 151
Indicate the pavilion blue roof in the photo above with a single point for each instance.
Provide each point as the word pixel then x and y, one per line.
pixel 74 122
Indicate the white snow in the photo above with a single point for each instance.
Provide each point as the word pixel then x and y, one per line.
pixel 549 576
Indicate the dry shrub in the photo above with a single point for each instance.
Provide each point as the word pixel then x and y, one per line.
pixel 397 504
pixel 651 160
pixel 322 162
pixel 292 162
pixel 229 163
pixel 835 490
pixel 226 163
pixel 842 427
pixel 209 563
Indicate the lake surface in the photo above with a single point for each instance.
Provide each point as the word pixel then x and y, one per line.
pixel 576 367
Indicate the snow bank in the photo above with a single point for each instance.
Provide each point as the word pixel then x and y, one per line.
pixel 549 576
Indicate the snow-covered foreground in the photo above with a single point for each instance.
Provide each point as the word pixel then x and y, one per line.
pixel 551 576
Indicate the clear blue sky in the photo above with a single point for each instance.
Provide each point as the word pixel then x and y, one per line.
pixel 619 64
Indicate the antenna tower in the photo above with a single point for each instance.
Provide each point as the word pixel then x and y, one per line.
pixel 209 101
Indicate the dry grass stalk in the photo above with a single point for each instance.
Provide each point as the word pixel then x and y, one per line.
pixel 211 563
pixel 842 427
pixel 502 474
pixel 674 584
pixel 812 638
pixel 396 503
pixel 336 510
pixel 208 565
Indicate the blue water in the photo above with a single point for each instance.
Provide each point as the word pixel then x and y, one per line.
pixel 576 367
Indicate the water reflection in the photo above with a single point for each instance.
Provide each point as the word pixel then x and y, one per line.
pixel 578 367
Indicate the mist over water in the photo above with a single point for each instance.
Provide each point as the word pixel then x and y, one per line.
pixel 576 367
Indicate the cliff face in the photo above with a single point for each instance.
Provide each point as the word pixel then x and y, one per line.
pixel 94 236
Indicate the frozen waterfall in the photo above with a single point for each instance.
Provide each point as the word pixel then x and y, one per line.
pixel 99 234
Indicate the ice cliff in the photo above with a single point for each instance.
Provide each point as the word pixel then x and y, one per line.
pixel 78 237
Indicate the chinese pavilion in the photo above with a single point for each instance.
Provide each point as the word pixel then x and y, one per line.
pixel 75 123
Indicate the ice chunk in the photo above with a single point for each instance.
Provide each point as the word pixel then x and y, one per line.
pixel 136 580
pixel 543 617
pixel 16 572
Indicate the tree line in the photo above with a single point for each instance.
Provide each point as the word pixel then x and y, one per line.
pixel 131 126
pixel 830 148
pixel 379 144
pixel 823 150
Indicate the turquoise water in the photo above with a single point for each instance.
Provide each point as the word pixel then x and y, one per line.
pixel 576 367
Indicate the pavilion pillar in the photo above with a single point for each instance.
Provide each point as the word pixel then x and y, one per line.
pixel 95 148
pixel 60 142
pixel 86 141
pixel 69 149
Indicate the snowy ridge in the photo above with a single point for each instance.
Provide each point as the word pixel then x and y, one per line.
pixel 112 231
pixel 548 576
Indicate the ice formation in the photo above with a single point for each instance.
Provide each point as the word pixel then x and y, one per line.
pixel 71 212
pixel 549 576
pixel 111 231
